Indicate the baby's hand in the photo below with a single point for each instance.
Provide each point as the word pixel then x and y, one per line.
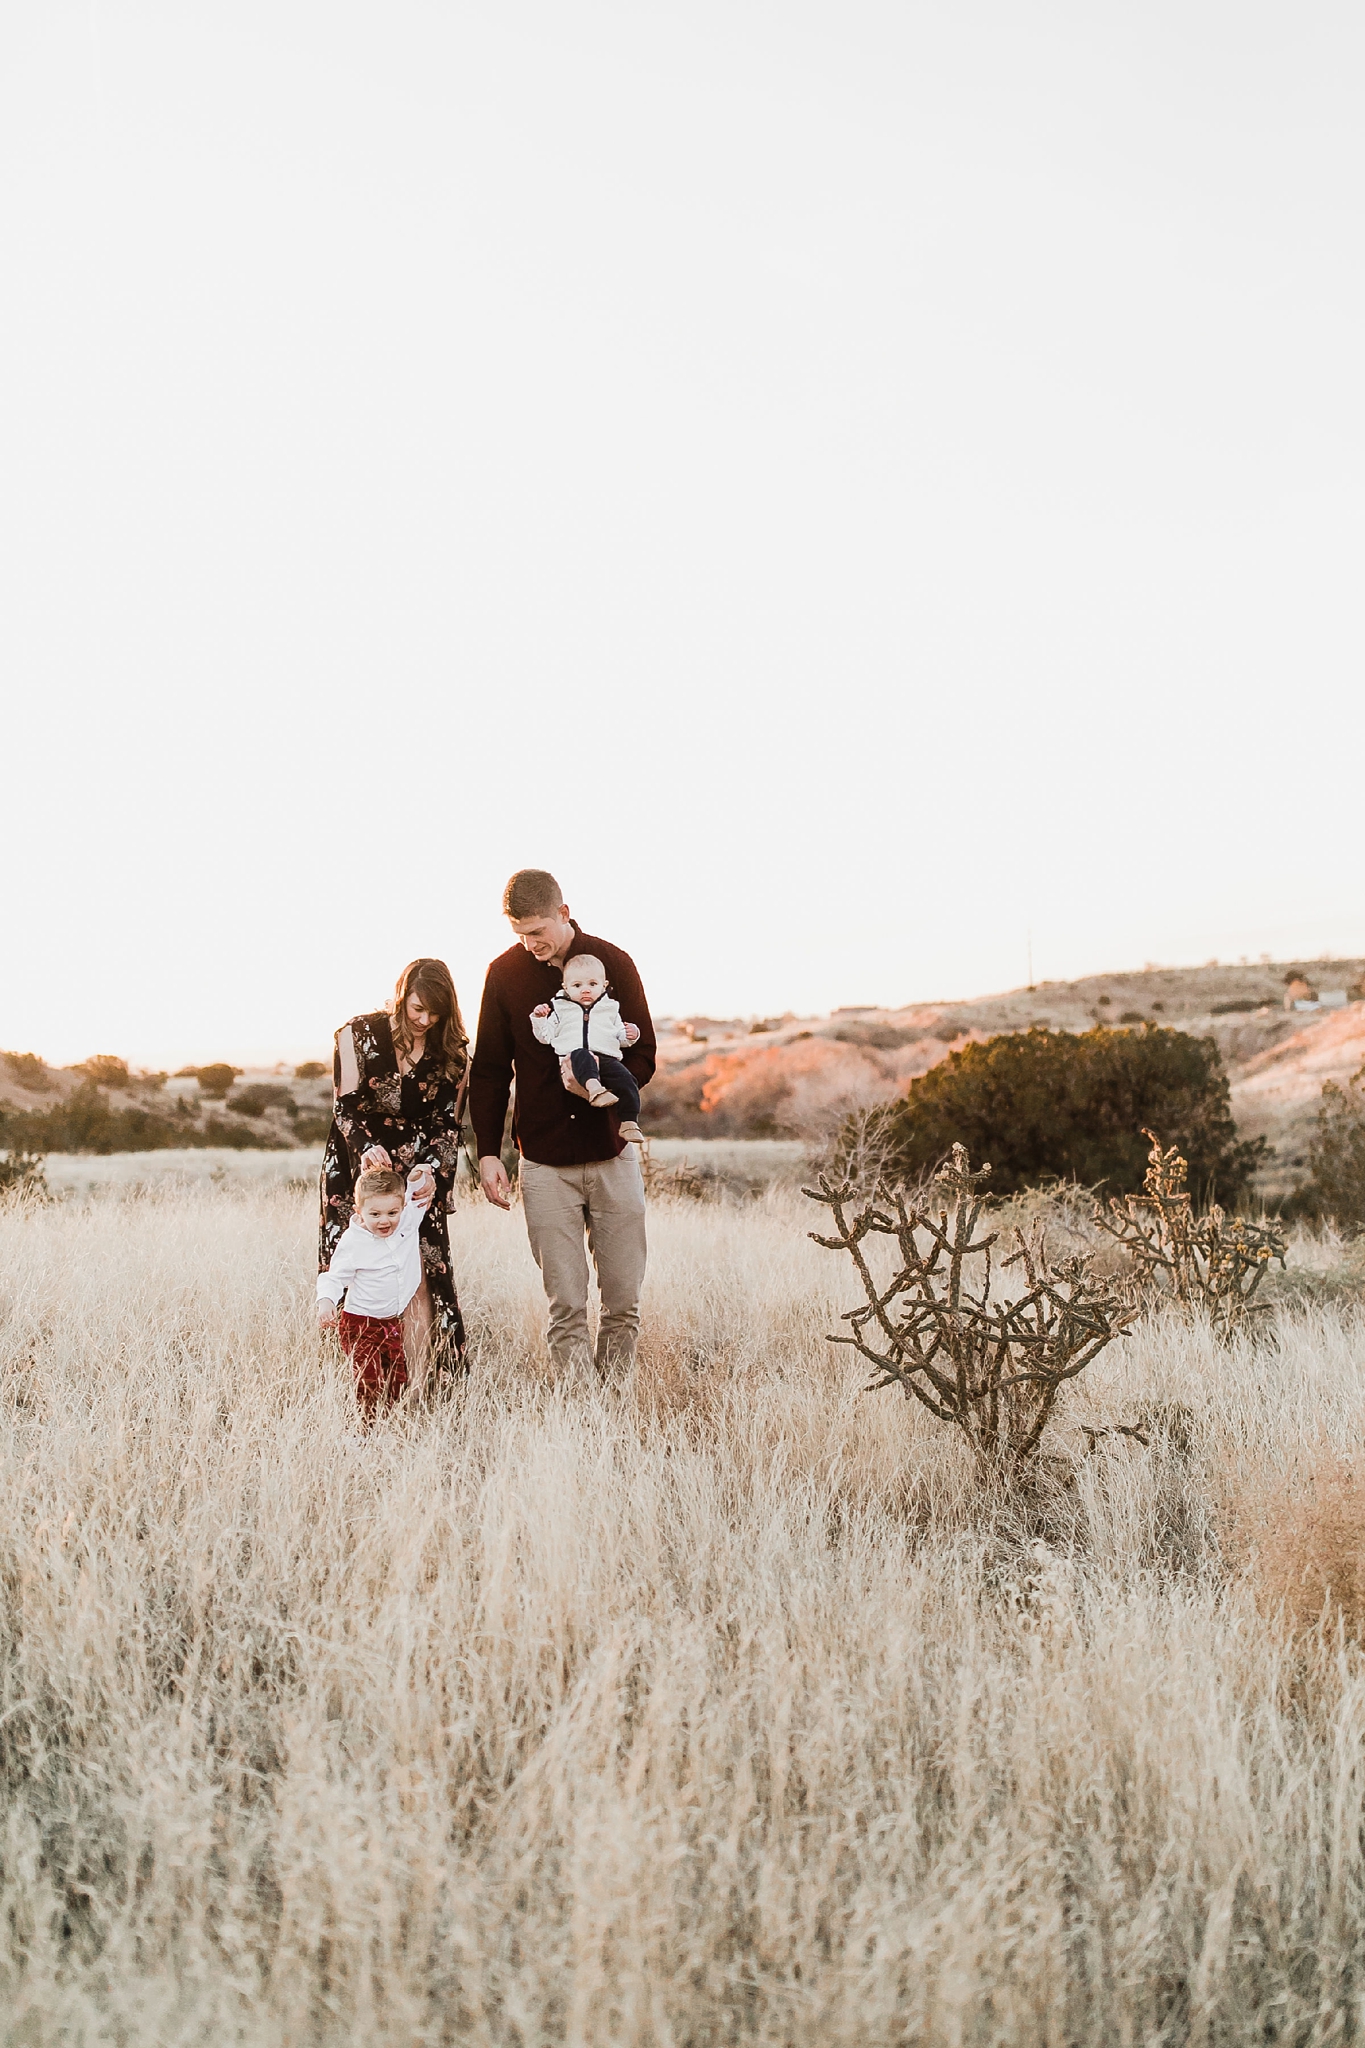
pixel 632 1033
pixel 541 1010
pixel 327 1314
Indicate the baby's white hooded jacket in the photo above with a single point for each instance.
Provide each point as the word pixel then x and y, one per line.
pixel 562 1030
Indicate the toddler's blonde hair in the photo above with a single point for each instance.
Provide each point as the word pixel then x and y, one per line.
pixel 378 1180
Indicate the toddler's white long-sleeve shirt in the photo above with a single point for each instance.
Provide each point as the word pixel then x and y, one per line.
pixel 377 1275
pixel 562 1030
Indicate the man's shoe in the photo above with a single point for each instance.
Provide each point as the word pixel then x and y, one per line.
pixel 632 1134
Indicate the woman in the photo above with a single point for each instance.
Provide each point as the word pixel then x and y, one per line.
pixel 399 1083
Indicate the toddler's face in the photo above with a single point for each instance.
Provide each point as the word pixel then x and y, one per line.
pixel 380 1214
pixel 584 985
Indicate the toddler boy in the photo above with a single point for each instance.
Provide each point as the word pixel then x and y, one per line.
pixel 377 1265
pixel 583 1025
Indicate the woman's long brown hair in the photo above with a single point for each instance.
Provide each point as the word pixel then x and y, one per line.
pixel 430 979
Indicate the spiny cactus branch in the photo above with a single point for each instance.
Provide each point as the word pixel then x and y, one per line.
pixel 992 1365
pixel 1210 1263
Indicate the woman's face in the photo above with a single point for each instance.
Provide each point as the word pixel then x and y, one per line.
pixel 420 1015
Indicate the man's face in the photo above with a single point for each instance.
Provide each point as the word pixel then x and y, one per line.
pixel 381 1214
pixel 585 985
pixel 544 937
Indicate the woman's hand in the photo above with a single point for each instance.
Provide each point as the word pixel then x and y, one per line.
pixel 375 1157
pixel 421 1183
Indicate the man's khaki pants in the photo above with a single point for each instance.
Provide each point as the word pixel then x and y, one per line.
pixel 603 1200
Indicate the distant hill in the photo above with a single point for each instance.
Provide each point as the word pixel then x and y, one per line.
pixel 777 1077
pixel 799 1076
pixel 100 1106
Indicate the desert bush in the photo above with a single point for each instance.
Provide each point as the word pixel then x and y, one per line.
pixel 214 1080
pixel 1210 1263
pixel 992 1366
pixel 1074 1105
pixel 106 1070
pixel 311 1070
pixel 85 1122
pixel 261 1096
pixel 28 1071
pixel 1336 1185
pixel 21 1173
pixel 1304 1537
pixel 310 1127
pixel 881 1037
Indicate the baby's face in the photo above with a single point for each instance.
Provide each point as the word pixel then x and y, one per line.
pixel 584 985
pixel 380 1214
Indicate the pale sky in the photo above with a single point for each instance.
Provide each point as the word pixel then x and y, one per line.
pixel 843 484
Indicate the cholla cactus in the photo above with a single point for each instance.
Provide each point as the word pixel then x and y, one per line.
pixel 991 1366
pixel 1213 1263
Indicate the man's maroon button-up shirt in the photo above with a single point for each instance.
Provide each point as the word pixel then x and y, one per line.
pixel 552 1127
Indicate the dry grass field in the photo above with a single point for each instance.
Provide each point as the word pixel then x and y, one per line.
pixel 712 1710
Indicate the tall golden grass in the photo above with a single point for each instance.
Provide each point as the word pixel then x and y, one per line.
pixel 711 1711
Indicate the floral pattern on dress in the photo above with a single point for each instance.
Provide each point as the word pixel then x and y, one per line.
pixel 416 1118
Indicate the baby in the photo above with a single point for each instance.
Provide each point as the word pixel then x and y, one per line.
pixel 583 1025
pixel 377 1265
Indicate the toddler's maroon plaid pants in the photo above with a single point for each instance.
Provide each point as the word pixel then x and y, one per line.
pixel 374 1345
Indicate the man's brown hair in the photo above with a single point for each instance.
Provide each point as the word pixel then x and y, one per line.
pixel 531 893
pixel 378 1180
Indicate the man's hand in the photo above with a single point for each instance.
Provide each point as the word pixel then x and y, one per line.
pixel 421 1184
pixel 327 1314
pixel 494 1182
pixel 632 1033
pixel 376 1156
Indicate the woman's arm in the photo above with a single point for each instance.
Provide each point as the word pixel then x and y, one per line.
pixel 360 1123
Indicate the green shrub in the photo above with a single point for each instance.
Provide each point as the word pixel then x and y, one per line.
pixel 106 1070
pixel 29 1071
pixel 311 1070
pixel 1074 1105
pixel 213 1080
pixel 86 1123
pixel 21 1173
pixel 310 1127
pixel 260 1097
pixel 1337 1156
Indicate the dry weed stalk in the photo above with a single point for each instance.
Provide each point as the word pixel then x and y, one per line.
pixel 1213 1263
pixel 992 1367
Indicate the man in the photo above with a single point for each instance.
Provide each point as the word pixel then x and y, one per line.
pixel 577 1175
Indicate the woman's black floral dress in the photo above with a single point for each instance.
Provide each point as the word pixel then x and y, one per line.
pixel 416 1118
